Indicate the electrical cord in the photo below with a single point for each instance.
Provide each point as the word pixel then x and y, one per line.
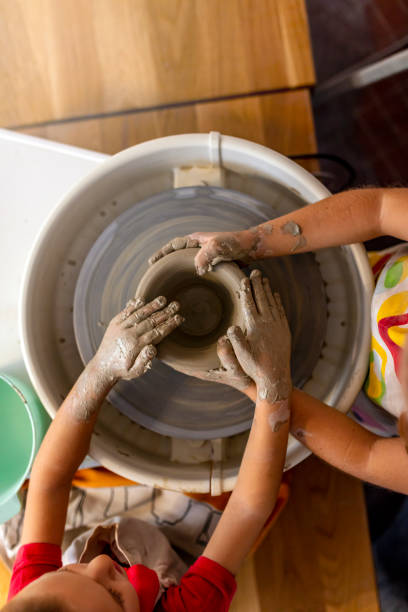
pixel 337 160
pixel 376 244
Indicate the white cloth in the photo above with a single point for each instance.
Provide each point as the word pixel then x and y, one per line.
pixel 130 541
pixel 188 524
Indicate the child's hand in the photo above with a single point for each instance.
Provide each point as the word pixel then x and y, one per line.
pixel 126 350
pixel 264 353
pixel 215 247
pixel 229 373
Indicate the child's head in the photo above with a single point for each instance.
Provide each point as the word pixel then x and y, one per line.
pixel 99 586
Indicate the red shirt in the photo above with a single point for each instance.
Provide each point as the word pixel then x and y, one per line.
pixel 205 586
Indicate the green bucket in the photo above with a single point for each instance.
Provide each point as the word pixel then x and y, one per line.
pixel 23 424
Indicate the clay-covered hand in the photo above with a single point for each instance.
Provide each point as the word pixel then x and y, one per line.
pixel 127 350
pixel 229 373
pixel 264 353
pixel 215 247
pixel 183 242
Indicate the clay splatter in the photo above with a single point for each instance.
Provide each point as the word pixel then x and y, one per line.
pixel 294 230
pixel 279 417
pixel 301 433
pixel 291 228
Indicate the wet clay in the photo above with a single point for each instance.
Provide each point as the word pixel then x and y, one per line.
pixel 209 305
pixel 279 416
pixel 202 309
pixel 230 371
pixel 176 244
pixel 244 246
pixel 295 230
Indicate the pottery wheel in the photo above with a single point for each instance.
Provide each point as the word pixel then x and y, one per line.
pixel 164 400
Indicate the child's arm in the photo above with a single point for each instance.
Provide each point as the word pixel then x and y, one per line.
pixel 337 439
pixel 345 444
pixel 255 493
pixel 126 352
pixel 328 433
pixel 344 218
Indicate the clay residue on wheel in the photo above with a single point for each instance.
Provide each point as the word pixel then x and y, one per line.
pixel 165 400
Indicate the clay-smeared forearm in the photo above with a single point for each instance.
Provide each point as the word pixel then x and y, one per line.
pixel 69 435
pixel 125 352
pixel 352 216
pixel 256 490
pixel 264 455
pixel 344 218
pixel 67 440
pixel 264 356
pixel 348 217
pixel 62 450
pixel 264 352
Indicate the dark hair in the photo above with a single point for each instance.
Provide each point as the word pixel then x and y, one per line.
pixel 36 604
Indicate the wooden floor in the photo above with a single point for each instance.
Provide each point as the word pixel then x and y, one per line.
pixel 283 121
pixel 317 557
pixel 109 81
pixel 67 58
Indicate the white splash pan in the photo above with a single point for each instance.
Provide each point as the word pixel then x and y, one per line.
pixel 46 300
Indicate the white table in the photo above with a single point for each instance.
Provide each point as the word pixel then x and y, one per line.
pixel 35 174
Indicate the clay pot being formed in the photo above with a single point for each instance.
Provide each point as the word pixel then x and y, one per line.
pixel 210 304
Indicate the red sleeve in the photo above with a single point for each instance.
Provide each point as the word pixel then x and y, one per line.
pixel 33 560
pixel 205 586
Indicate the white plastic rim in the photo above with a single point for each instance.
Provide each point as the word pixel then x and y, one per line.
pixel 137 173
